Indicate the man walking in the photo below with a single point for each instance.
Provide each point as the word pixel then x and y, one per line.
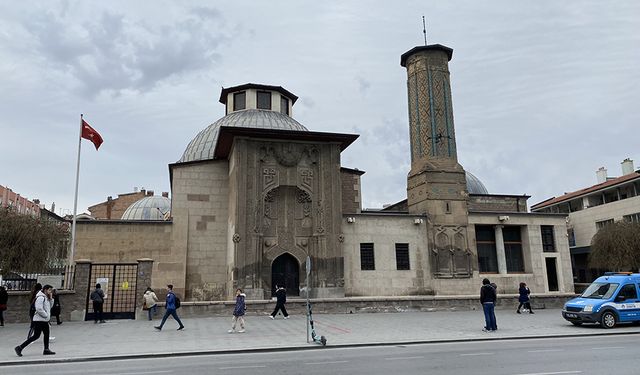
pixel 43 303
pixel 488 299
pixel 281 299
pixel 170 305
pixel 97 297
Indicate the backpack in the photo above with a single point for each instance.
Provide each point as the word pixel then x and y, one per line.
pixel 177 302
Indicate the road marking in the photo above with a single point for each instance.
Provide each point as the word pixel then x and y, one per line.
pixel 143 373
pixel 544 350
pixel 324 363
pixel 239 367
pixel 609 347
pixel 401 358
pixel 470 354
pixel 553 373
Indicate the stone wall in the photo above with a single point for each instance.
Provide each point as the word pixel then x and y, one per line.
pixel 498 203
pixel 351 190
pixel 200 211
pixel 127 241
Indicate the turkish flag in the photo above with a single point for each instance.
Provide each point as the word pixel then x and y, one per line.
pixel 91 134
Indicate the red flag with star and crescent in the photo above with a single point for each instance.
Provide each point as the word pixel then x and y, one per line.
pixel 91 134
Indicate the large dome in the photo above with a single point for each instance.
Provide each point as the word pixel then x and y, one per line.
pixel 474 185
pixel 203 145
pixel 148 208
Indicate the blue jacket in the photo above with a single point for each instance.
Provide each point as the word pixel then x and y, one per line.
pixel 240 305
pixel 170 302
pixel 524 294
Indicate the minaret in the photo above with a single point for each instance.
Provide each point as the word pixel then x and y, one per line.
pixel 436 184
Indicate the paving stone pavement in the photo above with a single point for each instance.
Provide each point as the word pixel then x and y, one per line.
pixel 81 340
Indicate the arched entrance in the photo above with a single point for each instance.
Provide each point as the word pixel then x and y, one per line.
pixel 285 271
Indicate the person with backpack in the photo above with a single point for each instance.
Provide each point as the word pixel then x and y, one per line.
pixel 238 312
pixel 43 304
pixel 523 298
pixel 281 299
pixel 97 297
pixel 172 303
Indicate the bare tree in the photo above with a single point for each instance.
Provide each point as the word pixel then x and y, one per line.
pixel 616 247
pixel 30 244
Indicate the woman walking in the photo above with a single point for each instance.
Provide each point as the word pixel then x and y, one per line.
pixel 524 298
pixel 238 312
pixel 150 302
pixel 43 303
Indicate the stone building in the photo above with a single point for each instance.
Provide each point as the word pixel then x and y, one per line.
pixel 257 192
pixel 591 208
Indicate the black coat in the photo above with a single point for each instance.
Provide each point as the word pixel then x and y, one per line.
pixel 56 308
pixel 487 294
pixel 4 297
pixel 281 296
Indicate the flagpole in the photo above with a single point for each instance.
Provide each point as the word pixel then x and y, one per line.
pixel 75 199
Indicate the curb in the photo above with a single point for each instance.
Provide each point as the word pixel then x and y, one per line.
pixel 294 348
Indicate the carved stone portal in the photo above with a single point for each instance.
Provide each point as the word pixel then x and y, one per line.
pixel 451 257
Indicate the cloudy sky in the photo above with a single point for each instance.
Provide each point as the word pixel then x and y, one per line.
pixel 544 92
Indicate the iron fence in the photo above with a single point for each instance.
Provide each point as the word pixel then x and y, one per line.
pixel 59 277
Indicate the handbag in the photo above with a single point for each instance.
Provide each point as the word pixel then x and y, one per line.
pixel 3 306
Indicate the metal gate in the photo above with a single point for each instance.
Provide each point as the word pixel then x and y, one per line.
pixel 118 281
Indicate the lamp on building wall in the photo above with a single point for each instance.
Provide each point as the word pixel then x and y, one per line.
pixel 503 218
pixel 418 221
pixel 351 220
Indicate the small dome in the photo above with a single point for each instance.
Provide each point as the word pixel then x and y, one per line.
pixel 203 145
pixel 148 208
pixel 474 185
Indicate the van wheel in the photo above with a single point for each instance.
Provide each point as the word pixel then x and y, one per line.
pixel 608 320
pixel 576 323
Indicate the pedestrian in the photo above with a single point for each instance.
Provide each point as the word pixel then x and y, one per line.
pixel 57 308
pixel 97 297
pixel 238 312
pixel 43 303
pixel 150 302
pixel 488 299
pixel 281 299
pixel 524 298
pixel 171 304
pixel 4 298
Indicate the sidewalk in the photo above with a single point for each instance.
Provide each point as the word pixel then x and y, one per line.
pixel 76 341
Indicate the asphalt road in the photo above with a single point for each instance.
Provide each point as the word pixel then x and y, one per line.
pixel 557 356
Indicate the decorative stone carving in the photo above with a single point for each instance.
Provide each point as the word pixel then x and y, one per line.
pixel 236 237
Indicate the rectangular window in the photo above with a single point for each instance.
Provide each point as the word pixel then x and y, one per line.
pixel 367 260
pixel 264 100
pixel 239 101
pixel 402 256
pixel 548 241
pixel 284 105
pixel 633 218
pixel 603 223
pixel 513 248
pixel 486 243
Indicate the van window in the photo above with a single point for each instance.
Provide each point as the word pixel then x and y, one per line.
pixel 629 292
pixel 600 290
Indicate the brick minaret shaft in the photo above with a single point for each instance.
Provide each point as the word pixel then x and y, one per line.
pixel 436 184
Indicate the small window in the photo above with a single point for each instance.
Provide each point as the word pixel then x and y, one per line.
pixel 264 100
pixel 239 101
pixel 402 256
pixel 629 292
pixel 447 207
pixel 633 218
pixel 548 242
pixel 603 223
pixel 367 260
pixel 284 105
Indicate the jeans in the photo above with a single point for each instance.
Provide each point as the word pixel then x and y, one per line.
pixel 237 319
pixel 97 311
pixel 152 311
pixel 173 313
pixel 489 316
